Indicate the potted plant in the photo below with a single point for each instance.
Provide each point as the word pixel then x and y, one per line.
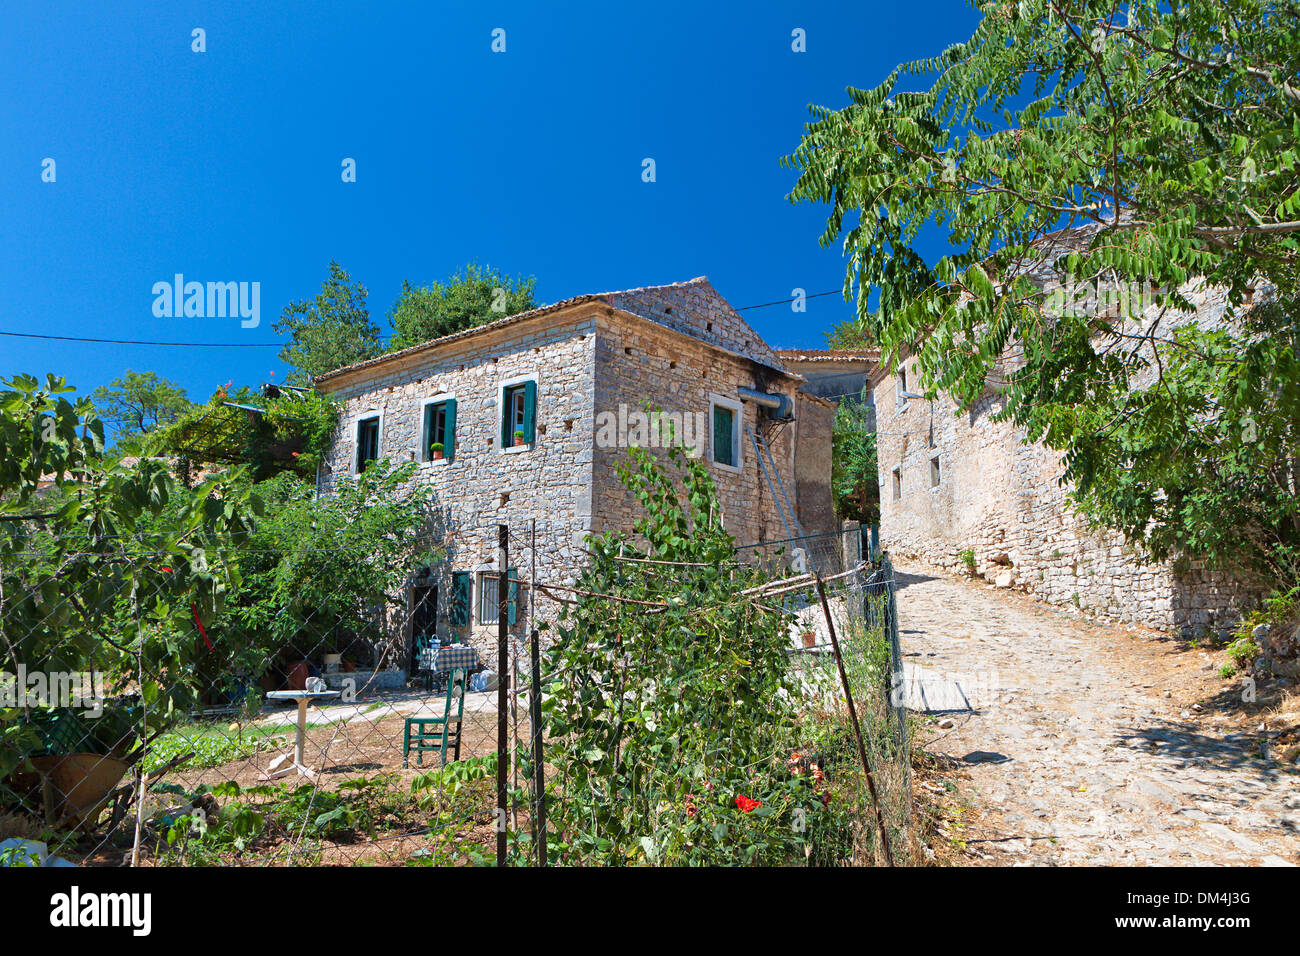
pixel 519 436
pixel 435 451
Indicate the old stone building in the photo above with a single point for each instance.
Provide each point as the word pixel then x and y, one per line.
pixel 963 491
pixel 834 374
pixel 532 414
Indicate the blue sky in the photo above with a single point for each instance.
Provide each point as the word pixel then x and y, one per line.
pixel 225 165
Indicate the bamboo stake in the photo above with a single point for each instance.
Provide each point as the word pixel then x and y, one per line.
pixel 857 728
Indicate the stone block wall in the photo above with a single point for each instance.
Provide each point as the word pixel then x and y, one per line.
pixel 484 485
pixel 814 502
pixel 696 309
pixel 1003 500
pixel 640 361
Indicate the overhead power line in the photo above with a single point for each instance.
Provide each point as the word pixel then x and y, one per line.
pixel 211 345
pixel 278 345
pixel 764 305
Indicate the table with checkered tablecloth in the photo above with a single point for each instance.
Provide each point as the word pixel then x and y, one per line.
pixel 455 656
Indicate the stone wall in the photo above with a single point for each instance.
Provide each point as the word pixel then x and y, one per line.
pixel 587 358
pixel 484 485
pixel 696 309
pixel 636 361
pixel 1003 500
pixel 814 503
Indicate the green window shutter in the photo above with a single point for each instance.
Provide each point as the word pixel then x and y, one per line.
pixel 724 420
pixel 459 613
pixel 512 575
pixel 428 431
pixel 530 410
pixel 449 430
pixel 507 436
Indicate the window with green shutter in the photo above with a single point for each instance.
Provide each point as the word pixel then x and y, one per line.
pixel 458 613
pixel 367 442
pixel 512 594
pixel 519 413
pixel 724 435
pixel 440 428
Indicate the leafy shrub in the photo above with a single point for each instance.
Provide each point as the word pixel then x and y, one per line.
pixel 672 706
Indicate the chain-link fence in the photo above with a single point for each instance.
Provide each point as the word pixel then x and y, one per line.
pixel 171 711
pixel 730 712
pixel 176 706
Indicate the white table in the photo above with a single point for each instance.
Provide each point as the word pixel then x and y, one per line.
pixel 277 767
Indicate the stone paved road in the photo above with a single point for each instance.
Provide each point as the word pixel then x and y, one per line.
pixel 1075 754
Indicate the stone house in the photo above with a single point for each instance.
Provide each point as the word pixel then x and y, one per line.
pixel 533 413
pixel 834 374
pixel 957 488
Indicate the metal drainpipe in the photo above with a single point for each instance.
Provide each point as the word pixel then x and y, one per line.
pixel 780 406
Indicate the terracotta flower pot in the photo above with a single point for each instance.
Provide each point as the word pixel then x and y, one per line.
pixel 519 440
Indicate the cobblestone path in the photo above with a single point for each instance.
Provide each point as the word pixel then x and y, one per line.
pixel 1079 750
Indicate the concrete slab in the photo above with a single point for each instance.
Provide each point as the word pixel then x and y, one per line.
pixel 929 692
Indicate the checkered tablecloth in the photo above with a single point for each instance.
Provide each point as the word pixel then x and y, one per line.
pixel 450 658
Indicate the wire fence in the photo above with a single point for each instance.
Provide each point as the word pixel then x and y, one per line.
pixel 160 710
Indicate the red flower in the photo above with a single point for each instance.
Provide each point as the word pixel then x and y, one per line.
pixel 166 570
pixel 745 804
pixel 691 809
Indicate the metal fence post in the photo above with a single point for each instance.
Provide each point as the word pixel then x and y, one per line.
pixel 539 767
pixel 503 697
pixel 857 726
pixel 896 682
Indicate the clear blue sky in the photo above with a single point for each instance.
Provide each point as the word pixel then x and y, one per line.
pixel 225 165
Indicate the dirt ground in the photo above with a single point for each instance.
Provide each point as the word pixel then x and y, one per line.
pixel 1093 744
pixel 340 749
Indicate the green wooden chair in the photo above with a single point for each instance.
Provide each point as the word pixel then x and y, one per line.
pixel 434 733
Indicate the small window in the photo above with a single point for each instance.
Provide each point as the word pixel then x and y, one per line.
pixel 518 413
pixel 724 444
pixel 489 594
pixel 898 483
pixel 902 383
pixel 515 405
pixel 934 472
pixel 367 442
pixel 440 430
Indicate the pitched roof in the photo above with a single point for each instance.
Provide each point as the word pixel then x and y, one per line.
pixel 693 308
pixel 829 355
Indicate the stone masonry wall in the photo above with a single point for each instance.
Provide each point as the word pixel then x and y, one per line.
pixel 1003 500
pixel 696 309
pixel 813 427
pixel 548 481
pixel 640 361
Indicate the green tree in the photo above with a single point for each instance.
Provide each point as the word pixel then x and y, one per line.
pixel 1165 136
pixel 318 572
pixel 329 331
pixel 139 402
pixel 293 432
pixel 472 296
pixel 854 479
pixel 103 565
pixel 850 334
